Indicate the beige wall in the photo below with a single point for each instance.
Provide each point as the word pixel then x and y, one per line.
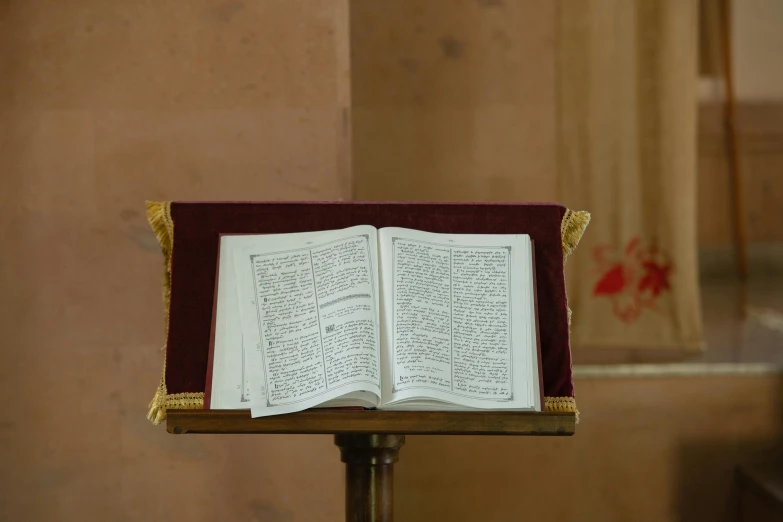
pixel 453 100
pixel 103 105
pixel 758 45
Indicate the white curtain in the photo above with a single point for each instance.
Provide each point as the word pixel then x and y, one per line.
pixel 627 153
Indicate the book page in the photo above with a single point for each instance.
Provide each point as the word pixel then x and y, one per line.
pixel 457 323
pixel 232 357
pixel 230 382
pixel 309 308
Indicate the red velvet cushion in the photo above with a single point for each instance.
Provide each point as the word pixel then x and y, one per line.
pixel 197 227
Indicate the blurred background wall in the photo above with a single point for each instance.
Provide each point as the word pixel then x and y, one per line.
pixel 452 100
pixel 104 105
pixel 757 44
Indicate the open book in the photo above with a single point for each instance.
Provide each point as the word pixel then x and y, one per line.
pixel 361 317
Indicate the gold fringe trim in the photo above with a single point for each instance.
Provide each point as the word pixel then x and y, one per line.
pixel 162 402
pixel 561 404
pixel 157 412
pixel 572 227
pixel 159 217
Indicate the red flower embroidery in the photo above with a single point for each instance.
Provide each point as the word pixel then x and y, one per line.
pixel 612 282
pixel 656 278
pixel 634 282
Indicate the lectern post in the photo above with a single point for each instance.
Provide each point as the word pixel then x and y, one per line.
pixel 369 475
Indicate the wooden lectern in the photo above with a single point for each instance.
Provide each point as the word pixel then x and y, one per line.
pixel 370 441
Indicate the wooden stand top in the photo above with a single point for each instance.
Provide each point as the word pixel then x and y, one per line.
pixel 373 421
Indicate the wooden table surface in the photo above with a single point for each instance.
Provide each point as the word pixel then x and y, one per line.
pixel 373 422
